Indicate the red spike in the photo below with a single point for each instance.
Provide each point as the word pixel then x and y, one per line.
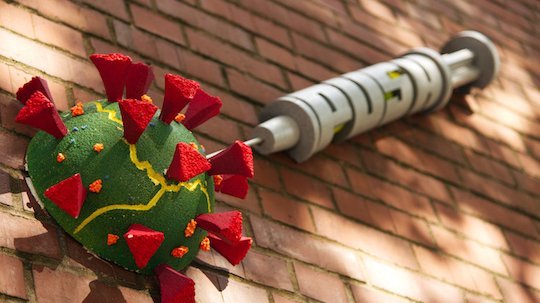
pixel 68 195
pixel 202 108
pixel 227 225
pixel 143 243
pixel 39 112
pixel 32 86
pixel 113 69
pixel 234 253
pixel 138 80
pixel 187 162
pixel 234 185
pixel 237 159
pixel 178 92
pixel 136 115
pixel 175 287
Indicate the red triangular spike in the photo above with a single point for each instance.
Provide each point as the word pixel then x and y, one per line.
pixel 32 86
pixel 68 195
pixel 135 115
pixel 234 253
pixel 175 287
pixel 39 112
pixel 187 162
pixel 178 92
pixel 113 69
pixel 138 80
pixel 227 225
pixel 202 108
pixel 234 185
pixel 143 243
pixel 237 159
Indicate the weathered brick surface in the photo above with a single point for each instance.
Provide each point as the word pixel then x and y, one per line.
pixel 442 207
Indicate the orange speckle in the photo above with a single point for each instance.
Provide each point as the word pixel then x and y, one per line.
pixel 60 157
pixel 217 180
pixel 179 252
pixel 179 118
pixel 95 186
pixel 112 239
pixel 205 244
pixel 98 147
pixel 147 98
pixel 190 228
pixel 194 146
pixel 77 110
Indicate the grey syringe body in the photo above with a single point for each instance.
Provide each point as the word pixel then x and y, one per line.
pixel 306 121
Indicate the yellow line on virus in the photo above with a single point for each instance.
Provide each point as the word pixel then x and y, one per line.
pixel 112 113
pixel 154 176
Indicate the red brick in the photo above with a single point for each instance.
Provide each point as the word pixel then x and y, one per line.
pixel 530 165
pixel 251 88
pixel 275 53
pixel 312 9
pixel 321 167
pixel 9 108
pixel 362 209
pixel 360 237
pixel 522 271
pixel 307 188
pixel 206 285
pixel 237 292
pixel 12 277
pixel 357 49
pixel 222 129
pixel 313 70
pixel 527 183
pixel 116 8
pixel 199 67
pixel 492 212
pixel 405 176
pixel 489 167
pixel 16 19
pixel 156 24
pixel 364 294
pixel 250 203
pixel 499 192
pixel 380 10
pixel 468 250
pixel 280 298
pixel 306 247
pixel 75 15
pixel 411 228
pixel 286 210
pixel 29 236
pixel 515 293
pixel 409 284
pixel 13 150
pixel 266 174
pixel 267 270
pixel 524 247
pixel 471 227
pixel 298 82
pixel 320 285
pixel 435 144
pixel 239 59
pixel 58 35
pixel 206 22
pixel 344 151
pixel 6 197
pixel 51 61
pixel 420 160
pixel 248 21
pixel 391 194
pixel 324 55
pixel 286 17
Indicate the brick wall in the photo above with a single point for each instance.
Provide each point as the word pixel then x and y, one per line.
pixel 438 208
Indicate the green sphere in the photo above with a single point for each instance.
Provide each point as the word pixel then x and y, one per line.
pixel 134 187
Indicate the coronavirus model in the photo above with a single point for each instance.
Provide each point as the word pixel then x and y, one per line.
pixel 130 182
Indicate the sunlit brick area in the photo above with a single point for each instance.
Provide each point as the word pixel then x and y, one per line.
pixel 442 207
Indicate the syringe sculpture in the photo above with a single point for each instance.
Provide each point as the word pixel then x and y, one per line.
pixel 422 80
